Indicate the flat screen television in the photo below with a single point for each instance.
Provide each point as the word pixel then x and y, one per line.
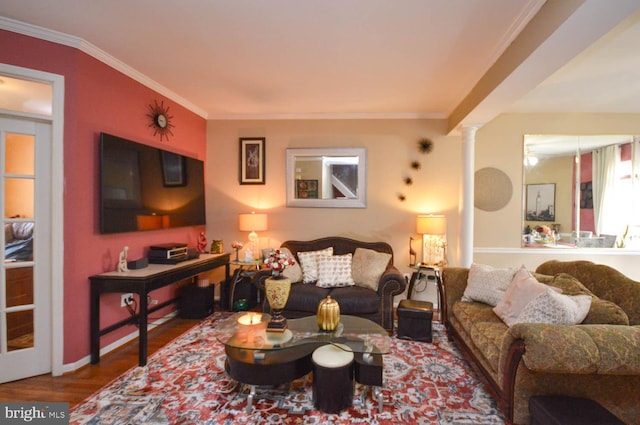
pixel 145 188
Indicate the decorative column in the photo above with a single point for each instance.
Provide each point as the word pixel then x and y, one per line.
pixel 466 207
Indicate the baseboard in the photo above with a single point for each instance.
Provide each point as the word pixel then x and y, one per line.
pixel 72 367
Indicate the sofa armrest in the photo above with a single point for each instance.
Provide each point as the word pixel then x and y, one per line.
pixel 580 349
pixel 391 283
pixel 454 282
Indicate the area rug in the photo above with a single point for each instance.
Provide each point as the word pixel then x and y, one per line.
pixel 185 383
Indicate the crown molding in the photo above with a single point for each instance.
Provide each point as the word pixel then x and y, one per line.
pixel 331 116
pixel 99 54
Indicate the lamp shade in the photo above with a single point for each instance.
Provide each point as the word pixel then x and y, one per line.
pixel 252 222
pixel 431 225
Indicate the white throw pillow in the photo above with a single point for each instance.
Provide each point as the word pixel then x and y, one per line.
pixel 334 271
pixel 522 289
pixel 556 309
pixel 309 263
pixel 487 284
pixel 368 266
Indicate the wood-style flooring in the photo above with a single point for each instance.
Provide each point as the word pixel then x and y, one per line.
pixel 76 386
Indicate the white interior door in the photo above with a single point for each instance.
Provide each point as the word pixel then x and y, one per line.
pixel 25 275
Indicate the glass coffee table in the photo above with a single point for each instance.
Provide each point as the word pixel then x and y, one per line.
pixel 257 358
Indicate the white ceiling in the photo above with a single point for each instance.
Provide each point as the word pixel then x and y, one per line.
pixel 350 59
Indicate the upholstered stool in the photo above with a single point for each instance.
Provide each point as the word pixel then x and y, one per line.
pixel 332 378
pixel 414 320
pixel 558 410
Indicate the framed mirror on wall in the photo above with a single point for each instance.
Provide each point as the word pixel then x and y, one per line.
pixel 595 184
pixel 326 177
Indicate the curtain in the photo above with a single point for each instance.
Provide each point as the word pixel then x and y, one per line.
pixel 604 197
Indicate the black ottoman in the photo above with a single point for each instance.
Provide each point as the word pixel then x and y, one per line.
pixel 559 410
pixel 333 384
pixel 414 320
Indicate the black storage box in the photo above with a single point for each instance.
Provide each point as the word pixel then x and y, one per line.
pixel 195 302
pixel 559 410
pixel 414 320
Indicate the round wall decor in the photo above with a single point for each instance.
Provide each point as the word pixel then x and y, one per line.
pixel 160 120
pixel 493 189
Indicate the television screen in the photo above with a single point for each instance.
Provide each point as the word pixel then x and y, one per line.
pixel 145 188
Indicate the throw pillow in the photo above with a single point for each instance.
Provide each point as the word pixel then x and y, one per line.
pixel 309 263
pixel 556 309
pixel 522 289
pixel 368 266
pixel 294 273
pixel 570 285
pixel 334 271
pixel 8 233
pixel 487 284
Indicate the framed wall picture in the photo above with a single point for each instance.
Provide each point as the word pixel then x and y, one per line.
pixel 541 202
pixel 307 189
pixel 252 160
pixel 173 169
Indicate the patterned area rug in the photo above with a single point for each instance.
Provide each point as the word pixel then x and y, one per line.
pixel 185 383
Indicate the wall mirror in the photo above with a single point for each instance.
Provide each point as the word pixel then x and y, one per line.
pixel 581 191
pixel 326 177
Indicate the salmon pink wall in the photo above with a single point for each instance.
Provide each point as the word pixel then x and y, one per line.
pixel 100 99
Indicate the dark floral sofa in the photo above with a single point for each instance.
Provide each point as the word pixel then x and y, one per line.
pixel 374 302
pixel 597 359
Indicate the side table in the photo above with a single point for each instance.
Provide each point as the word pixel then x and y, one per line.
pixel 244 270
pixel 428 274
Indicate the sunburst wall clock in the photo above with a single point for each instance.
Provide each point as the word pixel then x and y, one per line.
pixel 160 120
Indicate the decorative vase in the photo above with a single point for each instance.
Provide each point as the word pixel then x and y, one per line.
pixel 328 314
pixel 277 292
pixel 217 247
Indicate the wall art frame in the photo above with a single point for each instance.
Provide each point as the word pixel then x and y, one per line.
pixel 252 160
pixel 541 202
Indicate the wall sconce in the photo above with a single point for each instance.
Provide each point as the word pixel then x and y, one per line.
pixel 433 229
pixel 252 223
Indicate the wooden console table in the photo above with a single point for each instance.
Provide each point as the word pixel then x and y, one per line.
pixel 141 282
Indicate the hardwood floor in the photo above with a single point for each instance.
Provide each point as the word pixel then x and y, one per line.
pixel 74 387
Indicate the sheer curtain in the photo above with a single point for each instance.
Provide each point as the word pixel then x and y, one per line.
pixel 605 208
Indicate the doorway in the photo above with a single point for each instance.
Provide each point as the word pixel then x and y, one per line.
pixel 31 277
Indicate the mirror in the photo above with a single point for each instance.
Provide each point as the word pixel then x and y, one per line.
pixel 601 211
pixel 326 177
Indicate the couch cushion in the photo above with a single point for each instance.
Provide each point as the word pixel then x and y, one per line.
pixel 334 271
pixel 305 297
pixel 554 308
pixel 487 284
pixel 309 263
pixel 485 329
pixel 356 300
pixel 368 266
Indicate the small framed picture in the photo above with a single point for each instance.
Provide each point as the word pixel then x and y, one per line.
pixel 541 202
pixel 307 189
pixel 173 169
pixel 252 160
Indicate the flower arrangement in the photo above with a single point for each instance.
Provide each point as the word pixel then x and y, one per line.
pixel 237 246
pixel 544 230
pixel 278 260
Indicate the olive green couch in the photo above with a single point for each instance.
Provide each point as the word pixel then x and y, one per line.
pixel 594 359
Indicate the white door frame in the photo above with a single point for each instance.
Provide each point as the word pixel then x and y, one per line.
pixel 57 208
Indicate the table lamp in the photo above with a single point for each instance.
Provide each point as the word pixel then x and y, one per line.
pixel 433 229
pixel 252 223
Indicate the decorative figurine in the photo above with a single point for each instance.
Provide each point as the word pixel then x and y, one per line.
pixel 202 243
pixel 122 262
pixel 412 254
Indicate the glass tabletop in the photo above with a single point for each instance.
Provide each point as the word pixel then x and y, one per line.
pixel 247 330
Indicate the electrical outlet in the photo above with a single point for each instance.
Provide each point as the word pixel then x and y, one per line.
pixel 126 299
